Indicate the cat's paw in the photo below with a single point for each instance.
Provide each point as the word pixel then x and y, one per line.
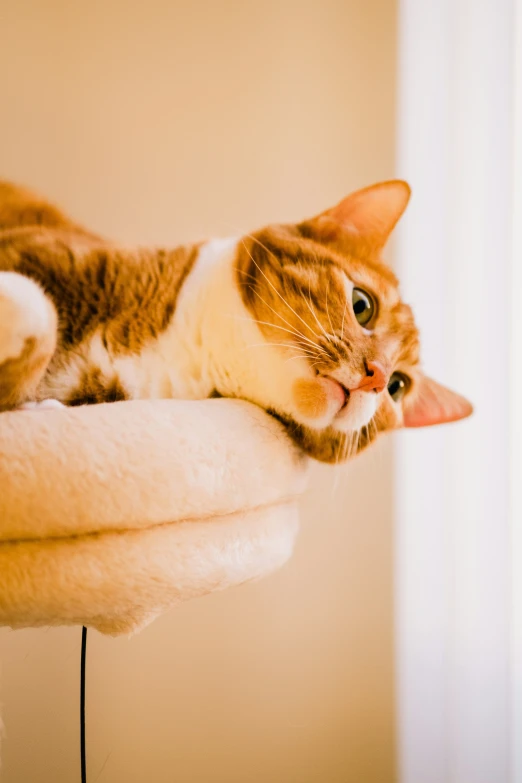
pixel 44 405
pixel 26 315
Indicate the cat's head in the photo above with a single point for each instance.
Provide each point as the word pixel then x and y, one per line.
pixel 347 347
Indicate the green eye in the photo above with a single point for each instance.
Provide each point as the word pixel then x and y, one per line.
pixel 397 386
pixel 363 306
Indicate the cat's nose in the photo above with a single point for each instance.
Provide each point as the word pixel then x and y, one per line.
pixel 376 378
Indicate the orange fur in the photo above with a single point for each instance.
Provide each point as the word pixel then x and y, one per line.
pixel 311 397
pixel 129 295
pixel 292 280
pixel 295 282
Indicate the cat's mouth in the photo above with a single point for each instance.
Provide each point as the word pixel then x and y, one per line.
pixel 326 401
pixel 352 409
pixel 340 393
pixel 346 393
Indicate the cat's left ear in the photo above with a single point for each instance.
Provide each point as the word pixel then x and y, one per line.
pixel 433 403
pixel 366 217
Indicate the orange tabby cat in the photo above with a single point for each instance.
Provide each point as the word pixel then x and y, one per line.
pixel 304 320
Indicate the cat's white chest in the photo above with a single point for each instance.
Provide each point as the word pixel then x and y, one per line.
pixel 168 367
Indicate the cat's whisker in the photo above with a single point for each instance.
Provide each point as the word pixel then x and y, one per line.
pixel 355 448
pixel 371 433
pixel 259 345
pixel 312 310
pixel 276 326
pixel 303 355
pixel 296 331
pixel 303 352
pixel 336 468
pixel 272 285
pixel 327 310
pixel 247 274
pixel 293 358
pixel 328 337
pixel 321 327
pixel 308 303
pixel 344 314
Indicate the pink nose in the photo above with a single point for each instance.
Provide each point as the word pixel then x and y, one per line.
pixel 376 378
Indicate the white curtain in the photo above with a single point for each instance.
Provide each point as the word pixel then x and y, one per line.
pixel 458 551
pixel 515 423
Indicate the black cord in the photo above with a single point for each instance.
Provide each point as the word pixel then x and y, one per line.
pixel 82 704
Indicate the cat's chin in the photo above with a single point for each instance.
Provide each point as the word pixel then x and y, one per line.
pixel 357 412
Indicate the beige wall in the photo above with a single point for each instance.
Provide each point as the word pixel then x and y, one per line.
pixel 162 121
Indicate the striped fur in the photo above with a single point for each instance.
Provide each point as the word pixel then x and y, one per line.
pixel 266 318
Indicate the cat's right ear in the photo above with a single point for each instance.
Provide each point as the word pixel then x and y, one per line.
pixel 365 218
pixel 432 403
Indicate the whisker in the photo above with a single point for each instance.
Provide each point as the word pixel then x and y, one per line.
pixel 311 342
pixel 272 285
pixel 296 331
pixel 352 444
pixel 355 446
pixel 327 310
pixel 304 354
pixel 276 326
pixel 344 314
pixel 247 274
pixel 336 468
pixel 310 307
pixel 293 358
pixel 258 345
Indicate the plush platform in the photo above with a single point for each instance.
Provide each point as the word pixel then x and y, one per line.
pixel 112 514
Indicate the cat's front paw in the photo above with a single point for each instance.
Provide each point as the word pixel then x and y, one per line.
pixel 26 316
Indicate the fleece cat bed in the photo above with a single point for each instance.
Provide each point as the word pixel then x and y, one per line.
pixel 111 514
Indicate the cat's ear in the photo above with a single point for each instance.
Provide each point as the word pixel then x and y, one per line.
pixel 367 216
pixel 433 403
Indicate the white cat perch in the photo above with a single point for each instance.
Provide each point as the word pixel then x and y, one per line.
pixel 112 514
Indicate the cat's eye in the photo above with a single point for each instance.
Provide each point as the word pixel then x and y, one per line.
pixel 397 386
pixel 363 306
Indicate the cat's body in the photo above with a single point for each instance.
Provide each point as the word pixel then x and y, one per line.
pixel 263 317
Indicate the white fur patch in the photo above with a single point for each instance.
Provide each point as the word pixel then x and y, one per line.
pixel 24 313
pixel 48 405
pixel 361 408
pixel 232 354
